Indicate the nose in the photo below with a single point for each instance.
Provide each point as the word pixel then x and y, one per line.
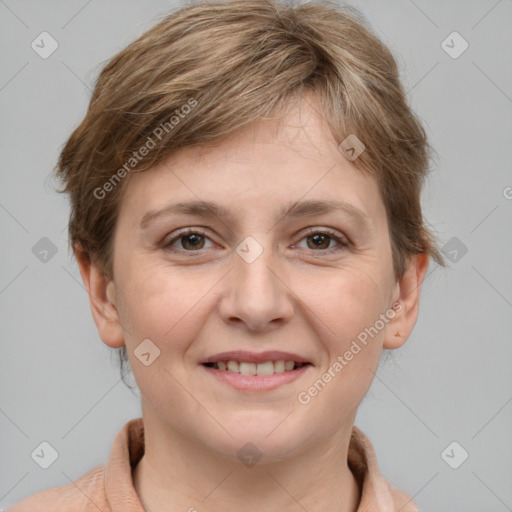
pixel 256 294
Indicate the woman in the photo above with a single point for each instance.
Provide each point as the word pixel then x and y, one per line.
pixel 245 192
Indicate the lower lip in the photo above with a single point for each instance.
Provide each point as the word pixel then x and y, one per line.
pixel 256 382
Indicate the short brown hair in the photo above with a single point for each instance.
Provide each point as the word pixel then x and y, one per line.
pixel 234 62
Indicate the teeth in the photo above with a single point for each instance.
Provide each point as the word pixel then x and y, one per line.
pixel 279 366
pixel 247 368
pixel 266 368
pixel 289 365
pixel 233 366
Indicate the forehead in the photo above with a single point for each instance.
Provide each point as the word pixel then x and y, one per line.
pixel 260 170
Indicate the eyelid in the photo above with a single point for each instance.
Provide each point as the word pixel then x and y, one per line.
pixel 327 231
pixel 176 235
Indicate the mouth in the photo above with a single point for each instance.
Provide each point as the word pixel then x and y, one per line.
pixel 249 368
pixel 250 371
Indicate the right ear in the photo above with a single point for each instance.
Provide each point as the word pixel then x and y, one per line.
pixel 101 291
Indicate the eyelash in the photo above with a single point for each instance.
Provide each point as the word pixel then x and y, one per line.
pixel 342 241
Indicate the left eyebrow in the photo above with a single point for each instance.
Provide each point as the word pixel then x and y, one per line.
pixel 294 209
pixel 317 207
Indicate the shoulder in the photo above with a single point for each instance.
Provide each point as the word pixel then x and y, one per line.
pixel 86 494
pixel 378 494
pixel 402 501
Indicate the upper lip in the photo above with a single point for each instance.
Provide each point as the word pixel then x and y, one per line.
pixel 254 357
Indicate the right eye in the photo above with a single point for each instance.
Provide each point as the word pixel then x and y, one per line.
pixel 190 239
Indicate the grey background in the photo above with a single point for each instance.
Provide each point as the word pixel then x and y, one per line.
pixel 452 381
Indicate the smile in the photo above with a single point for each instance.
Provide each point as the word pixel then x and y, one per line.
pixel 256 371
pixel 248 368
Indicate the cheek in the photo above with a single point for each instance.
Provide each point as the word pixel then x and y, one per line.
pixel 346 311
pixel 170 310
pixel 160 304
pixel 346 302
pixel 347 370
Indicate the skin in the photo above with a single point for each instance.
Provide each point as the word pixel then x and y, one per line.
pixel 294 297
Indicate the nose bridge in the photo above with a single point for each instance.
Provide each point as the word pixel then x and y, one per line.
pixel 257 294
pixel 254 257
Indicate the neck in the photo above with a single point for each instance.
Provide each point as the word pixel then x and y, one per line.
pixel 176 473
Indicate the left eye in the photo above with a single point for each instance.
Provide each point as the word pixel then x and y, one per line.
pixel 321 239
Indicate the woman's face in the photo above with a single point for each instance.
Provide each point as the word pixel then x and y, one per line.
pixel 251 279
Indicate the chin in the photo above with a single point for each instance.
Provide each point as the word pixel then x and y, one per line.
pixel 268 440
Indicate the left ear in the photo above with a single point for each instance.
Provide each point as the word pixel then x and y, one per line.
pixel 406 312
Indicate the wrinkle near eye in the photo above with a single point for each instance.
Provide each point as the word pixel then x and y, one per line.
pixel 358 272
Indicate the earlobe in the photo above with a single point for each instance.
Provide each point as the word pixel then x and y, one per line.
pixel 409 286
pixel 101 291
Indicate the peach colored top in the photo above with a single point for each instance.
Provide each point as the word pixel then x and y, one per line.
pixel 109 487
